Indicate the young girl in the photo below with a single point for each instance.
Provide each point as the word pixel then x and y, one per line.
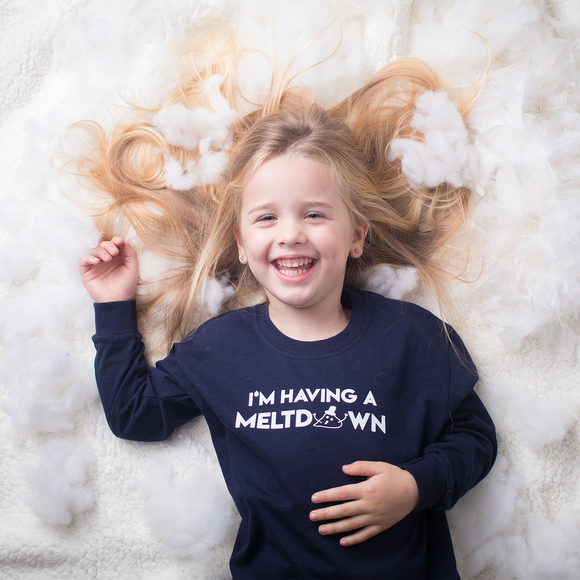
pixel 345 423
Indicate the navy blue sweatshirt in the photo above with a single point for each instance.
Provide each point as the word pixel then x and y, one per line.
pixel 285 415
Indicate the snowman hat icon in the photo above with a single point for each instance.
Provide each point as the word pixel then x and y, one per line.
pixel 329 420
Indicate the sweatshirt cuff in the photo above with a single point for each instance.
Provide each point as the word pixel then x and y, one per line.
pixel 430 477
pixel 115 318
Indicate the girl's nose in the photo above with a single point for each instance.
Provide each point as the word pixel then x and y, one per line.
pixel 291 232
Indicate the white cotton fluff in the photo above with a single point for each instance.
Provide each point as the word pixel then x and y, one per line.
pixel 554 544
pixel 210 166
pixel 443 33
pixel 477 523
pixel 537 421
pixel 215 293
pixel 387 32
pixel 60 481
pixel 536 549
pixel 46 386
pixel 297 35
pixel 191 517
pixel 528 130
pixel 216 99
pixel 446 155
pixel 392 282
pixel 201 129
pixel 185 127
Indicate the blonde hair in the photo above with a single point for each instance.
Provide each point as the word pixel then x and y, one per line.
pixel 195 229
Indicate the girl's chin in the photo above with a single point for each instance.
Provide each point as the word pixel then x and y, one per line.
pixel 281 300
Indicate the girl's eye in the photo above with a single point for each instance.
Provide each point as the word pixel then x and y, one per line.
pixel 313 215
pixel 266 218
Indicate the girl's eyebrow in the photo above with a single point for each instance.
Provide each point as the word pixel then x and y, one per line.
pixel 272 205
pixel 318 203
pixel 261 207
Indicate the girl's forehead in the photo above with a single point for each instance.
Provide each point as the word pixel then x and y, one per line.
pixel 291 179
pixel 290 165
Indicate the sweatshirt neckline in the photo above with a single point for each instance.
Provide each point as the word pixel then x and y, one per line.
pixel 318 348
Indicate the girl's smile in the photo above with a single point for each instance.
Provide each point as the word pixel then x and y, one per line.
pixel 296 235
pixel 295 266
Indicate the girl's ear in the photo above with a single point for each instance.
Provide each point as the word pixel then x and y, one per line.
pixel 241 251
pixel 358 239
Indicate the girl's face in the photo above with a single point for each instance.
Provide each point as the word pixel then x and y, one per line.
pixel 295 233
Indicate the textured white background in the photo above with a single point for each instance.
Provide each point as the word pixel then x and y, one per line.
pixel 77 503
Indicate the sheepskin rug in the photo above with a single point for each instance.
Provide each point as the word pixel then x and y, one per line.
pixel 77 503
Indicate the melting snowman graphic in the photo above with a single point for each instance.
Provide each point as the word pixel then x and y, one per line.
pixel 329 420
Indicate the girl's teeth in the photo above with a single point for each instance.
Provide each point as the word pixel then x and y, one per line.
pixel 293 272
pixel 294 263
pixel 291 267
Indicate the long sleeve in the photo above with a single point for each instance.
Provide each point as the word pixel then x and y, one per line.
pixel 141 403
pixel 466 447
pixel 461 457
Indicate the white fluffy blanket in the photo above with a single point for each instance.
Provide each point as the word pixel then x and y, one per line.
pixel 77 503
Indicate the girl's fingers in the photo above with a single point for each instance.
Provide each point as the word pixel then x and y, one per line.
pixel 128 252
pixel 106 251
pixel 336 512
pixel 346 493
pixel 117 240
pixel 88 261
pixel 110 247
pixel 362 535
pixel 101 253
pixel 365 468
pixel 110 272
pixel 343 493
pixel 345 525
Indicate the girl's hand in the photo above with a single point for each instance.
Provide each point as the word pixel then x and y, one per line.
pixel 372 506
pixel 110 271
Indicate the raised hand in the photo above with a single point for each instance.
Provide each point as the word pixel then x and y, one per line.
pixel 110 271
pixel 372 506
